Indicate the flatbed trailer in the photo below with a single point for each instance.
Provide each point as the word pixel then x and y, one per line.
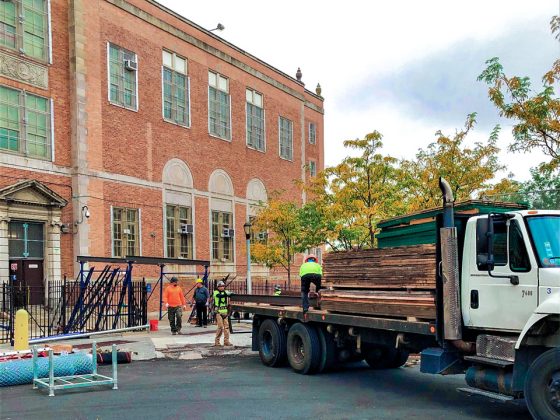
pixel 497 317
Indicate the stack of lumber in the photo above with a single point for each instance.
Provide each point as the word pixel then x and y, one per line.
pixel 394 282
pixel 390 303
pixel 406 267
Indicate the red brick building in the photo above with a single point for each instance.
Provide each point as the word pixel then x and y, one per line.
pixel 161 132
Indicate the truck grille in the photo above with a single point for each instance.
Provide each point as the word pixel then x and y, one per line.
pixel 496 347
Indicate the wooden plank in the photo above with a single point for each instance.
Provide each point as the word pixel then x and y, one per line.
pixel 398 267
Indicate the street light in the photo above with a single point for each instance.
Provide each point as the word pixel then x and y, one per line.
pixel 247 228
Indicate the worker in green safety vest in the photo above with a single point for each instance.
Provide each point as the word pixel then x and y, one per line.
pixel 221 308
pixel 309 272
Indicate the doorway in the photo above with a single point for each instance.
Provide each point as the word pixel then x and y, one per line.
pixel 26 243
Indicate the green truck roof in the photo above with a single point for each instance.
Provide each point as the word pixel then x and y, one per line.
pixel 420 227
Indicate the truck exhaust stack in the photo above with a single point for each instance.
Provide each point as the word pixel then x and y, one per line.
pixel 450 267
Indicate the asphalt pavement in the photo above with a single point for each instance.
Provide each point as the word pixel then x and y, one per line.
pixel 240 387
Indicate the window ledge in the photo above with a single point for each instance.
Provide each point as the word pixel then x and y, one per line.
pixel 123 107
pixel 286 159
pixel 255 149
pixel 219 138
pixel 175 123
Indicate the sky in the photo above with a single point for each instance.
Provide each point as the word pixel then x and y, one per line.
pixel 404 68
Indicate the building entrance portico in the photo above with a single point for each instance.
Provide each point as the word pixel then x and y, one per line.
pixel 30 229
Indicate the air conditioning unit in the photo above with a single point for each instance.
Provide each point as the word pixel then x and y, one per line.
pixel 228 233
pixel 130 65
pixel 261 236
pixel 126 231
pixel 186 229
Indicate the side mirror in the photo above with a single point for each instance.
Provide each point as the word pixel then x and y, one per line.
pixel 485 243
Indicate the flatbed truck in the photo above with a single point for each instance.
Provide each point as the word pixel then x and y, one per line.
pixel 497 322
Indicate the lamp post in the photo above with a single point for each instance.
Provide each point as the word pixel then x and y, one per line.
pixel 247 228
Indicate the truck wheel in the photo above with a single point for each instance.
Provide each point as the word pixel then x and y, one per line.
pixel 542 386
pixel 328 350
pixel 304 349
pixel 272 344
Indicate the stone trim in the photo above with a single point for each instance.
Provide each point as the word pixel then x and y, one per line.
pixel 172 30
pixel 23 70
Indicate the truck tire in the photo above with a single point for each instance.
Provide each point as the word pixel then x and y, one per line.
pixel 304 349
pixel 328 350
pixel 272 344
pixel 386 357
pixel 542 386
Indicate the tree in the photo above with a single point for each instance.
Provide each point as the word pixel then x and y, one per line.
pixel 281 220
pixel 354 195
pixel 468 170
pixel 542 191
pixel 536 114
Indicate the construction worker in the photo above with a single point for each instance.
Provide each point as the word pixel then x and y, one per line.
pixel 277 290
pixel 201 298
pixel 221 308
pixel 309 272
pixel 175 302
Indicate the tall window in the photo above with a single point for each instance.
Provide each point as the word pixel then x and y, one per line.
pixel 175 89
pixel 219 116
pixel 25 123
pixel 222 236
pixel 123 77
pixel 24 27
pixel 286 138
pixel 255 120
pixel 179 232
pixel 126 232
pixel 312 168
pixel 312 133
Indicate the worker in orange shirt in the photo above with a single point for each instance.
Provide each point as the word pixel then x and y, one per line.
pixel 175 302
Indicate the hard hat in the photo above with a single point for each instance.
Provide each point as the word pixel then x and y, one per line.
pixel 173 280
pixel 277 286
pixel 311 258
pixel 199 281
pixel 221 283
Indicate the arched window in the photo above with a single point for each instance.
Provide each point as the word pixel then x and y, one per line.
pixel 222 217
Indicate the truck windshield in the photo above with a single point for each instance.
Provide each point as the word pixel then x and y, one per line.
pixel 545 231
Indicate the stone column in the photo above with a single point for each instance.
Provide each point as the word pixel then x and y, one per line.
pixel 79 132
pixel 53 267
pixel 4 252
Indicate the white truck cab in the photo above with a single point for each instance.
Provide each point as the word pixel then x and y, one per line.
pixel 524 284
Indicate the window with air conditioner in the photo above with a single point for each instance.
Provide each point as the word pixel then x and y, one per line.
pixel 222 236
pixel 179 232
pixel 123 77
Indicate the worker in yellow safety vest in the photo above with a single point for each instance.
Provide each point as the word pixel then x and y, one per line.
pixel 309 272
pixel 277 290
pixel 221 308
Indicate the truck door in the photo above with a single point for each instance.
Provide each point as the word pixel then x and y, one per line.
pixel 497 303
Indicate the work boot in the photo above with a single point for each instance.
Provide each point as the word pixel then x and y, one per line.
pixel 217 345
pixel 228 344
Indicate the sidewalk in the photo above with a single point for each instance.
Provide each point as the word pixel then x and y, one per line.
pixel 194 343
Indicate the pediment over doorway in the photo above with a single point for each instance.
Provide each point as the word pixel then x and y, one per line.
pixel 31 192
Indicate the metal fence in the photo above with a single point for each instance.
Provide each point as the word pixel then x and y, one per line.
pixel 73 306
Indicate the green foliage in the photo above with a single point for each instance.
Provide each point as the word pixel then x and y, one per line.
pixel 468 170
pixel 535 114
pixel 354 195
